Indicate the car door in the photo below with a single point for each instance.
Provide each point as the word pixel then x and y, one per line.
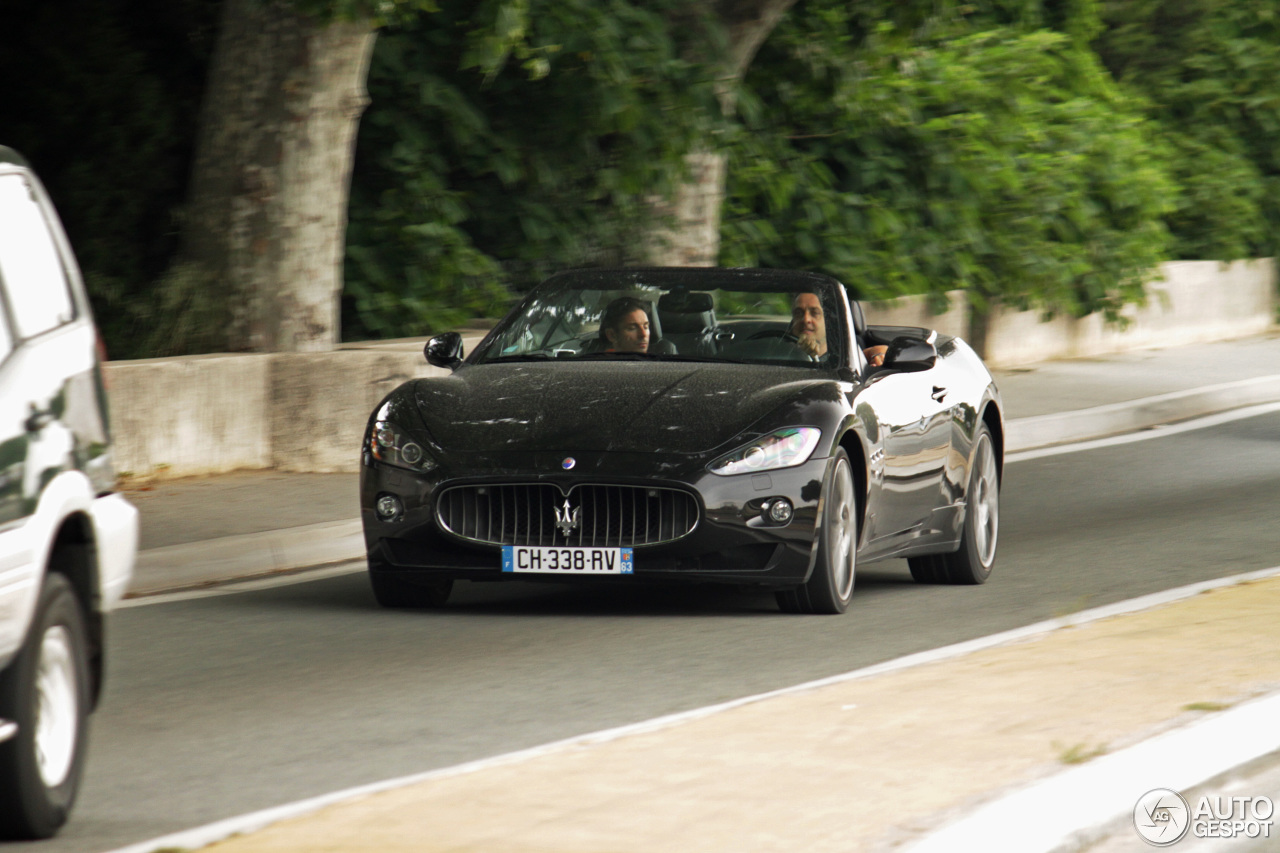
pixel 912 412
pixel 13 439
pixel 41 349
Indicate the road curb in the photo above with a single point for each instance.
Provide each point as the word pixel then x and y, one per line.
pixel 1067 811
pixel 1041 431
pixel 194 564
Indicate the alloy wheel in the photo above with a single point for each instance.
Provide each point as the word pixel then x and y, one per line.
pixel 57 722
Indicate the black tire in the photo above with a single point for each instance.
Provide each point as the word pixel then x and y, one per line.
pixel 972 562
pixel 830 587
pixel 391 591
pixel 45 690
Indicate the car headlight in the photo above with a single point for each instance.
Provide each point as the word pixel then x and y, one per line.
pixel 779 449
pixel 390 444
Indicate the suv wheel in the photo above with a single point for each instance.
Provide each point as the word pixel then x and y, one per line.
pixel 45 691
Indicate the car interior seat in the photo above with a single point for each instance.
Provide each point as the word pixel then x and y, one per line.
pixel 658 341
pixel 688 319
pixel 859 322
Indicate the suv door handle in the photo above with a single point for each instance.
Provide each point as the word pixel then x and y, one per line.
pixel 38 419
pixel 938 393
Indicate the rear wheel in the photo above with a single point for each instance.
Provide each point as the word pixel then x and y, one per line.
pixel 45 691
pixel 972 562
pixel 392 591
pixel 830 587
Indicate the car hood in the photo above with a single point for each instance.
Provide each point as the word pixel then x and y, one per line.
pixel 609 406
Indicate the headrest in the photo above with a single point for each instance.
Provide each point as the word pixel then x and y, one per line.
pixel 685 302
pixel 859 319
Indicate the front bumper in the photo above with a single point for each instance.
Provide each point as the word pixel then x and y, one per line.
pixel 115 529
pixel 733 542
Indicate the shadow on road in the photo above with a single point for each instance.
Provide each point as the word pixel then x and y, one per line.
pixel 608 598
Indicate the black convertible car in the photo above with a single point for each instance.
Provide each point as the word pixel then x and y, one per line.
pixel 741 426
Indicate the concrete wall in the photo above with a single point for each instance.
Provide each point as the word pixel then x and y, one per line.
pixel 914 311
pixel 195 415
pixel 307 411
pixel 190 415
pixel 1196 301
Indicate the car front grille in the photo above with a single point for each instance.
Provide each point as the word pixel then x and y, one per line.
pixel 589 515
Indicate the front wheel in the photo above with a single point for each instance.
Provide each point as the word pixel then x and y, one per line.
pixel 972 563
pixel 45 691
pixel 830 587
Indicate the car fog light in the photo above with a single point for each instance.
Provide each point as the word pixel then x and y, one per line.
pixel 780 511
pixel 388 507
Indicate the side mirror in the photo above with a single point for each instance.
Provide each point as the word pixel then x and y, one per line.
pixel 910 354
pixel 444 350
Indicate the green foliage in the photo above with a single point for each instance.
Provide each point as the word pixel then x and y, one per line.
pixel 1002 161
pixel 476 176
pixel 102 101
pixel 907 146
pixel 1208 70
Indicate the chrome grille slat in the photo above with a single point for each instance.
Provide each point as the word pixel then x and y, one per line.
pixel 610 516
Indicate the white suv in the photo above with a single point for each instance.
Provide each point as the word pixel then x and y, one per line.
pixel 67 544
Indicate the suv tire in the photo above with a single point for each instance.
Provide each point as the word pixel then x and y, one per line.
pixel 46 691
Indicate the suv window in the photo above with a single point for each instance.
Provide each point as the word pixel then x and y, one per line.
pixel 34 280
pixel 6 339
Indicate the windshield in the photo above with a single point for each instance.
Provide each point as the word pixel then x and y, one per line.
pixel 795 320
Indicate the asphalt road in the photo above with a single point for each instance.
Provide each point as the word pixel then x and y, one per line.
pixel 224 705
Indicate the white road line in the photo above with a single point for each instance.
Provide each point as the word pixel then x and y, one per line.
pixel 250 585
pixel 254 821
pixel 1159 431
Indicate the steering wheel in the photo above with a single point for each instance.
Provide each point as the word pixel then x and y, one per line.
pixel 786 335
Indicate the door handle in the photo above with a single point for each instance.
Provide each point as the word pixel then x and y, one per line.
pixel 38 419
pixel 938 393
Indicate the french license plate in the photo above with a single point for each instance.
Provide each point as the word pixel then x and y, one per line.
pixel 567 561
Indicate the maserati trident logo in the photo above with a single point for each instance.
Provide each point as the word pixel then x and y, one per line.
pixel 567 518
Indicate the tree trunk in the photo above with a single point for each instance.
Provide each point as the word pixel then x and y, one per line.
pixel 686 229
pixel 686 226
pixel 267 211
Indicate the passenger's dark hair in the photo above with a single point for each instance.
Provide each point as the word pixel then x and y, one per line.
pixel 616 310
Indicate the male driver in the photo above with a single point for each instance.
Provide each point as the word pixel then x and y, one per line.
pixel 810 328
pixel 625 325
pixel 808 324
